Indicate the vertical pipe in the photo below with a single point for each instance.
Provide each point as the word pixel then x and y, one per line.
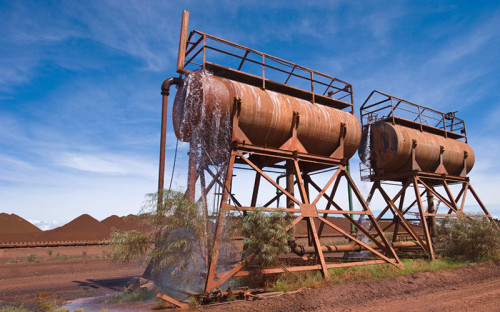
pixel 278 190
pixel 290 183
pixel 192 174
pixel 161 171
pixel 349 194
pixel 431 220
pixel 206 224
pixel 182 42
pixel 204 51
pixel 263 72
pixel 165 91
pixel 255 193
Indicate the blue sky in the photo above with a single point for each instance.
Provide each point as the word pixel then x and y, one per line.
pixel 80 84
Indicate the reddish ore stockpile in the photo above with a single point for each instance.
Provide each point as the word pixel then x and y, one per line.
pixel 83 228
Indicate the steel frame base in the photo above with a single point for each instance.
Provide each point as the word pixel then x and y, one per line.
pixel 429 182
pixel 307 210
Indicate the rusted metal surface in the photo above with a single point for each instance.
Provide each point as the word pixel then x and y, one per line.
pixel 300 251
pixel 309 212
pixel 182 42
pixel 254 67
pixel 238 118
pixel 192 174
pixel 173 301
pixel 165 91
pixel 422 149
pixel 400 137
pixel 392 145
pixel 383 106
pixel 265 117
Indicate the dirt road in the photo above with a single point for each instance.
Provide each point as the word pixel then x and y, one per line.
pixel 472 288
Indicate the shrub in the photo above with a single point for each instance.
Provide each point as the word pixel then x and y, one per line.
pixel 178 232
pixel 265 232
pixel 62 257
pixel 31 258
pixel 469 239
pixel 127 245
pixel 52 305
pixel 141 294
pixel 49 303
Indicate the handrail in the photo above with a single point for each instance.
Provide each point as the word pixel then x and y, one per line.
pixel 271 67
pixel 407 112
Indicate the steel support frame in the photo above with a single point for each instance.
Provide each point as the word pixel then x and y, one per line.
pixel 428 182
pixel 307 209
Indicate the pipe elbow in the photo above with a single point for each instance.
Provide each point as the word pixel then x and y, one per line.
pixel 165 86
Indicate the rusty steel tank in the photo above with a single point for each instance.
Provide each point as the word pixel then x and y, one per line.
pixel 204 104
pixel 388 148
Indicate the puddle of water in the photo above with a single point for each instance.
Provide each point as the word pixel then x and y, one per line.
pixel 103 303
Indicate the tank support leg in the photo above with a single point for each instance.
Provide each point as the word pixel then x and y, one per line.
pixel 192 172
pixel 428 241
pixel 214 255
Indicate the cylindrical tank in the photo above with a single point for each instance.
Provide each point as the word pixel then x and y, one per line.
pixel 389 149
pixel 204 103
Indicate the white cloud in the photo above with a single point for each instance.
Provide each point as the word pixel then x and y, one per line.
pixel 106 164
pixel 45 225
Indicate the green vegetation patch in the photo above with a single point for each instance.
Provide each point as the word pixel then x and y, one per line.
pixel 468 239
pixel 289 282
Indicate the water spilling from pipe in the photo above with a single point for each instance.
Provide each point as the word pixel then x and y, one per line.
pixel 365 147
pixel 204 123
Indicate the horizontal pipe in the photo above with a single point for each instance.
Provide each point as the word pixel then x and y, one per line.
pixel 301 250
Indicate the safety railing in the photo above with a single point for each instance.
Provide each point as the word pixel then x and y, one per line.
pixel 382 106
pixel 220 57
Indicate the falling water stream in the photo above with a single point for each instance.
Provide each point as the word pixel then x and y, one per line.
pixel 207 127
pixel 365 147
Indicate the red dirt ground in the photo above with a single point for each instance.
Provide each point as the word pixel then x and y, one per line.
pixel 472 288
pixel 77 272
pixel 84 273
